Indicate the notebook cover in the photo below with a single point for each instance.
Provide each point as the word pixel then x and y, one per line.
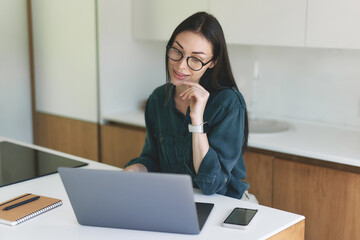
pixel 24 212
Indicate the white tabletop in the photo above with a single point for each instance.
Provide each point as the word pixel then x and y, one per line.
pixel 61 223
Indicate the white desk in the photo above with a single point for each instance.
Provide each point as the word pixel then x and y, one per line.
pixel 60 223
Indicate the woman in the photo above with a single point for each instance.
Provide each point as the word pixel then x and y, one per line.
pixel 197 122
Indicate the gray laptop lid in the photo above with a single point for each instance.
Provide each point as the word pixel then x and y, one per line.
pixel 142 201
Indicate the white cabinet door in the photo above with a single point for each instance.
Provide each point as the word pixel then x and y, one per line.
pixel 64 36
pixel 333 24
pixel 262 22
pixel 157 19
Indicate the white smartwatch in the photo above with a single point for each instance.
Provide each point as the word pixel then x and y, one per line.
pixel 202 128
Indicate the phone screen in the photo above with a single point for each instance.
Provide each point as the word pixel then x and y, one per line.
pixel 241 216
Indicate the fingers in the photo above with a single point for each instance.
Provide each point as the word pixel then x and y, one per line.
pixel 137 167
pixel 195 90
pixel 198 97
pixel 194 93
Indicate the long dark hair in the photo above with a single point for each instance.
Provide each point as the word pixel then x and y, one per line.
pixel 220 76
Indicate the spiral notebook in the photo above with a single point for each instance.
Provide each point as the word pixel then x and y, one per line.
pixel 24 207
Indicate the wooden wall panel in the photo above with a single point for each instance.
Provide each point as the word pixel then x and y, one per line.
pixel 259 169
pixel 71 136
pixel 120 144
pixel 328 198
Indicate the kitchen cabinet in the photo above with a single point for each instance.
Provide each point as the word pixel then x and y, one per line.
pixel 262 22
pixel 259 171
pixel 299 23
pixel 157 19
pixel 67 135
pixel 328 198
pixel 257 22
pixel 66 82
pixel 121 143
pixel 333 24
pixel 327 194
pixel 65 59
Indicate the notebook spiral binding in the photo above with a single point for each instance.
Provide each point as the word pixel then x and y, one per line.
pixel 38 212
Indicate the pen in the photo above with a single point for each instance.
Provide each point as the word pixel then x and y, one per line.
pixel 15 199
pixel 21 203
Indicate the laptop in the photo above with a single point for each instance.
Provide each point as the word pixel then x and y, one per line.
pixel 132 200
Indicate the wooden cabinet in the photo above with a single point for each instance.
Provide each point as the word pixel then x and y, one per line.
pixel 67 135
pixel 295 232
pixel 333 24
pixel 64 47
pixel 327 194
pixel 262 22
pixel 121 143
pixel 328 198
pixel 259 169
pixel 157 19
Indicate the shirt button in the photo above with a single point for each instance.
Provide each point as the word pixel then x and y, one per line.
pixel 226 180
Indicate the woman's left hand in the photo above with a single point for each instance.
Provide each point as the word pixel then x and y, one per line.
pixel 198 97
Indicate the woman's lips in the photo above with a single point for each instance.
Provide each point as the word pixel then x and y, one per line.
pixel 180 76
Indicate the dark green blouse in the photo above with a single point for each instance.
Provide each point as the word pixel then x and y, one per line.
pixel 168 144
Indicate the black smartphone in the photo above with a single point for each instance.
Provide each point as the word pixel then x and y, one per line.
pixel 240 218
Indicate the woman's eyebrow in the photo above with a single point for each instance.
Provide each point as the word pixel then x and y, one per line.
pixel 199 53
pixel 192 52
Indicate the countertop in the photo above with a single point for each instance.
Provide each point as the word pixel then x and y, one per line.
pixel 306 139
pixel 61 223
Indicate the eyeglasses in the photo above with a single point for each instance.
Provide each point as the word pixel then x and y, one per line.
pixel 176 55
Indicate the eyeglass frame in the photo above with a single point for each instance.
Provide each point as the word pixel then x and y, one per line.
pixel 187 59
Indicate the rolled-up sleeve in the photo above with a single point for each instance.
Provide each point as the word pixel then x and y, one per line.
pixel 225 153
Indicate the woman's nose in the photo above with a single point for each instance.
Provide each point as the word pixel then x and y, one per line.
pixel 183 63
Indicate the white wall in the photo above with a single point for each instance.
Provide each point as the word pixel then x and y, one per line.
pixel 321 85
pixel 64 34
pixel 15 94
pixel 129 69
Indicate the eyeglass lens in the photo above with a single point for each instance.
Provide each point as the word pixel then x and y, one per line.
pixel 176 55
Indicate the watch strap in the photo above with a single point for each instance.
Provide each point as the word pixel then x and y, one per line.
pixel 202 128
